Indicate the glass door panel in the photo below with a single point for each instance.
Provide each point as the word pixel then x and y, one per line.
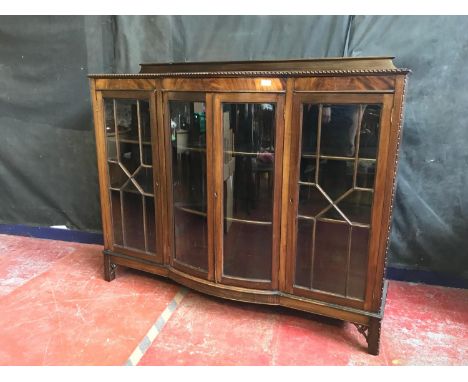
pixel 248 162
pixel 338 154
pixel 130 169
pixel 187 121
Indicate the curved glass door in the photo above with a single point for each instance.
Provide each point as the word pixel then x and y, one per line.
pixel 188 153
pixel 249 199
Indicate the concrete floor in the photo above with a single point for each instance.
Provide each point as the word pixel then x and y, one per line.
pixel 56 309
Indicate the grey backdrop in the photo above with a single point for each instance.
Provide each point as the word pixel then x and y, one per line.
pixel 47 154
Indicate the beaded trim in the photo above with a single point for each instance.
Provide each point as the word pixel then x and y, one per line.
pixel 255 73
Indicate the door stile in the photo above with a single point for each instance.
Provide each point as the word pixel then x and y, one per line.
pixel 101 152
pixel 210 185
pixel 284 254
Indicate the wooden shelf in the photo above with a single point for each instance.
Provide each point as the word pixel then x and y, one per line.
pixel 331 157
pixel 258 222
pixel 132 192
pixel 329 220
pixel 190 210
pixel 127 140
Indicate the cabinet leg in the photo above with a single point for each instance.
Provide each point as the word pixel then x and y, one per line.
pixel 109 268
pixel 373 339
pixel 372 335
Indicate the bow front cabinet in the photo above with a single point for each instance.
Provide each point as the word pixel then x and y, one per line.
pixel 268 182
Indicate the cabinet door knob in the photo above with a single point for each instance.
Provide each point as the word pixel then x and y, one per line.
pixel 290 200
pixel 215 195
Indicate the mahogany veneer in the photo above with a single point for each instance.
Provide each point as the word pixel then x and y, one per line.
pixel 268 181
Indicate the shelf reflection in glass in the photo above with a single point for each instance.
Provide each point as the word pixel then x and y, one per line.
pixel 188 142
pixel 248 174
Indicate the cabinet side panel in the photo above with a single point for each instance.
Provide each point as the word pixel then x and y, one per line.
pixel 283 284
pixel 379 197
pixel 96 98
pixel 390 185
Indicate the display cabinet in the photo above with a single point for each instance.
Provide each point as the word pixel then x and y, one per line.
pixel 268 182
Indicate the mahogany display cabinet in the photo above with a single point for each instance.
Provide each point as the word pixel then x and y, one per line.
pixel 267 182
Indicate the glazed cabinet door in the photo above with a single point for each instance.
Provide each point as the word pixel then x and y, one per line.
pixel 132 169
pixel 248 145
pixel 339 144
pixel 188 152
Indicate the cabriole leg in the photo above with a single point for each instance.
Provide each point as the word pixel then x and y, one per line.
pixel 109 268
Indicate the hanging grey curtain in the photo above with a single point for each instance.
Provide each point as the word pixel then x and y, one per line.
pixel 47 153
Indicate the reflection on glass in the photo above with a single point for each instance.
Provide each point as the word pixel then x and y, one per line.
pixel 311 201
pixel 310 114
pixel 331 248
pixel 117 176
pixel 358 263
pixel 303 255
pixel 339 127
pixel 147 155
pixel 365 174
pixel 369 135
pixel 249 147
pixel 133 218
pixel 144 178
pixel 188 141
pixel 150 215
pixel 128 133
pixel 337 175
pixel 356 207
pixel 116 217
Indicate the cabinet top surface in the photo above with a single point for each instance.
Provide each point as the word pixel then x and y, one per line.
pixel 293 67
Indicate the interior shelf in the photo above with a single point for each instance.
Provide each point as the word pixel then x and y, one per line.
pixel 190 210
pixel 132 191
pixel 128 140
pixel 237 153
pixel 337 157
pixel 258 222
pixel 115 161
pixel 329 220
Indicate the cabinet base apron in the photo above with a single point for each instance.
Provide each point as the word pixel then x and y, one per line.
pixel 367 323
